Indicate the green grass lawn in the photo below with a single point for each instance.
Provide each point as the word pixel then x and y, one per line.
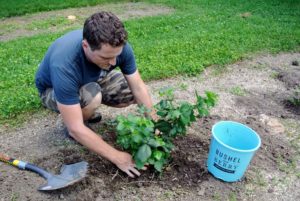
pixel 198 34
pixel 21 7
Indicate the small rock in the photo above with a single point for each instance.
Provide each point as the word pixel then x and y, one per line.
pixel 61 196
pixel 272 123
pixel 71 17
pixel 270 190
pixel 283 116
pixel 245 15
pixel 201 192
pixel 99 181
pixel 276 126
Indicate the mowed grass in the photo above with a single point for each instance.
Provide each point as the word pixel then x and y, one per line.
pixel 198 34
pixel 20 7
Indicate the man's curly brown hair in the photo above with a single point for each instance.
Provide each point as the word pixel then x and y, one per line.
pixel 104 27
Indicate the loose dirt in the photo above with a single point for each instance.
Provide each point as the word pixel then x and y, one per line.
pixel 253 92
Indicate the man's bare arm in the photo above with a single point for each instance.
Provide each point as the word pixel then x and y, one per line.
pixel 72 116
pixel 140 91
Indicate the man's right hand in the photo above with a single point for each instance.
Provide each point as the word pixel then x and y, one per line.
pixel 125 163
pixel 73 119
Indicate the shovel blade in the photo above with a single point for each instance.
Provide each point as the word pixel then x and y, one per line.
pixel 69 174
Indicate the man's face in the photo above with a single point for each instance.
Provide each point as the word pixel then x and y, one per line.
pixel 103 58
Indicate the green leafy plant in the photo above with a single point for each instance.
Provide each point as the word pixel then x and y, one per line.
pixel 136 133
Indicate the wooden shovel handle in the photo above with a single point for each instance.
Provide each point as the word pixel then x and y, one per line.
pixel 12 161
pixel 5 158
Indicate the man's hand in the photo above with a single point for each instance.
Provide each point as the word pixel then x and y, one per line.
pixel 125 163
pixel 153 115
pixel 72 117
pixel 155 118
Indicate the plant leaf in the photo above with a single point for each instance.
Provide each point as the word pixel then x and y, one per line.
pixel 211 98
pixel 143 153
pixel 137 138
pixel 158 165
pixel 157 154
pixel 153 143
pixel 163 126
pixel 139 164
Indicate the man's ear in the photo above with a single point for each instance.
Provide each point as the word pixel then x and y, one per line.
pixel 85 44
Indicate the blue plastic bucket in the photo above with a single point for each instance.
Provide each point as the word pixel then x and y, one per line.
pixel 231 150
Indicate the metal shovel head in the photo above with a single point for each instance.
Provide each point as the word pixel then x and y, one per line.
pixel 69 174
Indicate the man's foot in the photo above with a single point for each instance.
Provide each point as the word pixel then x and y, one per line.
pixel 67 134
pixel 62 127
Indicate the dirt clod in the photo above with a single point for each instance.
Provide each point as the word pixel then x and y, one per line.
pixel 295 63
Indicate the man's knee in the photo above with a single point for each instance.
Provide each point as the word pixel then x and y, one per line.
pixel 90 94
pixel 48 99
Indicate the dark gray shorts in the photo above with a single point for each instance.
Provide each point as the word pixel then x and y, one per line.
pixel 113 88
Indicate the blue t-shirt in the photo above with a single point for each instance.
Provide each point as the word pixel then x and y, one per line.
pixel 66 69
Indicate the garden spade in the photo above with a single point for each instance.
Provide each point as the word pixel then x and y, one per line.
pixel 69 174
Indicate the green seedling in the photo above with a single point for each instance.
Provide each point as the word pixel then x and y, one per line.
pixel 216 196
pixel 232 196
pixel 183 86
pixel 274 75
pixel 298 175
pixel 136 133
pixel 14 197
pixel 238 91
